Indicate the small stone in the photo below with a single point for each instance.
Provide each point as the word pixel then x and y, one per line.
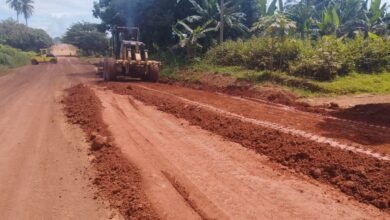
pixel 98 143
pixel 316 173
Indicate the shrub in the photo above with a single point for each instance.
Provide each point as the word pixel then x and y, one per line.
pixel 263 53
pixel 11 57
pixel 324 61
pixel 373 55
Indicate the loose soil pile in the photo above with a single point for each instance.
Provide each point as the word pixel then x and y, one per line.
pixel 363 177
pixel 371 113
pixel 117 180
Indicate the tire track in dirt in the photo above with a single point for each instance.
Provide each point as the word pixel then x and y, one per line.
pixel 357 174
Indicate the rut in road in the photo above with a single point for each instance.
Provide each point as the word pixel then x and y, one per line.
pixel 220 178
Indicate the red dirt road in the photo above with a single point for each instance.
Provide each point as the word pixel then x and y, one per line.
pixel 190 173
pixel 43 161
pixel 171 155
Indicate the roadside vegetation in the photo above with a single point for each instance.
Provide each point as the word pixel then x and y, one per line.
pixel 11 57
pixel 311 47
pixel 18 42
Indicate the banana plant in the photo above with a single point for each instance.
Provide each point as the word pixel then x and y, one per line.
pixel 222 13
pixel 189 37
pixel 303 13
pixel 330 20
pixel 266 10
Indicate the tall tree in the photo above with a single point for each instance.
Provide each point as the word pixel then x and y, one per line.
pixel 15 5
pixel 27 9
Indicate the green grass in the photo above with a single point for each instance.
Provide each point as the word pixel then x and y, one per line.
pixel 354 83
pixel 235 71
pixel 360 83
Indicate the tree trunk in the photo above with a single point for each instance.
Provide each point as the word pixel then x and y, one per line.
pixel 222 20
pixel 281 7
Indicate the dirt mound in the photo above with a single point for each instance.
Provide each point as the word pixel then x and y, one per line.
pixel 371 113
pixel 357 175
pixel 224 83
pixel 117 180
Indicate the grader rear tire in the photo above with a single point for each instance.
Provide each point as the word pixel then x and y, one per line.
pixel 154 73
pixel 109 71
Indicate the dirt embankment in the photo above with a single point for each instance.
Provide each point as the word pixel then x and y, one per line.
pixel 117 180
pixel 370 113
pixel 216 82
pixel 363 177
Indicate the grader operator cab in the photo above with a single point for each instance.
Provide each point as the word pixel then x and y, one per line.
pixel 130 57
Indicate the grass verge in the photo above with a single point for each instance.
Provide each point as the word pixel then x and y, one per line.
pixel 353 83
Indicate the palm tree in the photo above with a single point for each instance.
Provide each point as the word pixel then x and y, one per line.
pixel 15 5
pixel 27 8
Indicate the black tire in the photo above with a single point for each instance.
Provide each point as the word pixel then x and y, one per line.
pixel 34 62
pixel 154 73
pixel 109 70
pixel 53 61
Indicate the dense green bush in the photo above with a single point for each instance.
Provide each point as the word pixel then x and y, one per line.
pixel 22 37
pixel 11 57
pixel 373 55
pixel 322 60
pixel 264 53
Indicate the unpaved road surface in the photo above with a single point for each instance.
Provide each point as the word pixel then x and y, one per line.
pixel 197 154
pixel 190 173
pixel 43 161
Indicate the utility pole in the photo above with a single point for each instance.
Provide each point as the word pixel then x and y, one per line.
pixel 222 20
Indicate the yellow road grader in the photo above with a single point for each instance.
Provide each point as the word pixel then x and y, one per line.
pixel 129 57
pixel 44 57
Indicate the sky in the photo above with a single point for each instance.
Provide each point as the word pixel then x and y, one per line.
pixel 55 16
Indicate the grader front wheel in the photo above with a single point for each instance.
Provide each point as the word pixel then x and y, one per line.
pixel 154 73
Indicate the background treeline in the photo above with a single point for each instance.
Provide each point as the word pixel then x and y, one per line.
pixel 18 42
pixel 87 38
pixel 23 37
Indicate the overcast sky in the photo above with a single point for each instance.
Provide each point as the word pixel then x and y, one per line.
pixel 56 16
